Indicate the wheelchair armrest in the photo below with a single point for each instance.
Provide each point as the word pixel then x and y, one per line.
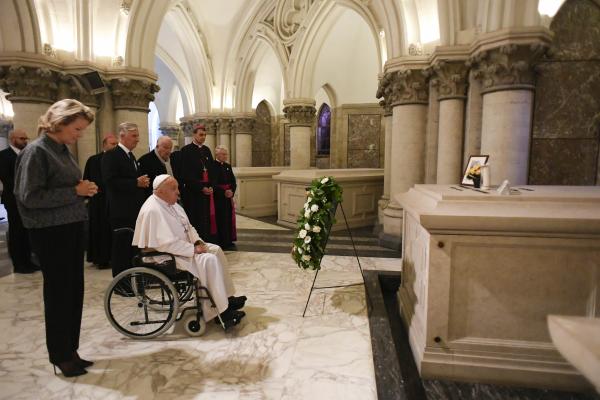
pixel 167 266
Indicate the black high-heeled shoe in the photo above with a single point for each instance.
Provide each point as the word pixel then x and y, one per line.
pixel 69 369
pixel 81 362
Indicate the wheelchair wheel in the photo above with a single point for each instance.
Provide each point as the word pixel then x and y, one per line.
pixel 141 303
pixel 194 326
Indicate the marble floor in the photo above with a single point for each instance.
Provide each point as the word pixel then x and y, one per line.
pixel 273 354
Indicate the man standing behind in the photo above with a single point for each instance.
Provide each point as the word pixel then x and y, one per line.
pixel 18 236
pixel 224 186
pixel 125 185
pixel 157 161
pixel 99 232
pixel 195 168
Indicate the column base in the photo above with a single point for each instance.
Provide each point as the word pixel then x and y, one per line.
pixel 391 237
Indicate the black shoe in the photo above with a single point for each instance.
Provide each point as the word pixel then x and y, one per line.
pixel 69 369
pixel 230 318
pixel 235 303
pixel 81 362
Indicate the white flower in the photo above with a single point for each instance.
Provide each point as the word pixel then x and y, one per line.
pixel 307 214
pixel 307 227
pixel 314 208
pixel 306 257
pixel 302 234
pixel 299 250
pixel 308 200
pixel 324 180
pixel 316 229
pixel 306 205
pixel 307 239
pixel 307 247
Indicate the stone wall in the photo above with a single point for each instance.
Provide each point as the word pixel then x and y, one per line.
pixel 566 123
pixel 261 139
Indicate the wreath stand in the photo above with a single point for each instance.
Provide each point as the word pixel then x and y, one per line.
pixel 313 288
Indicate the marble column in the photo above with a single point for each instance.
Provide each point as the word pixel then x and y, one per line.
pixel 130 102
pixel 172 130
pixel 451 81
pixel 385 198
pixel 224 132
pixel 406 90
pixel 243 127
pixel 301 114
pixel 507 77
pixel 211 125
pixel 31 90
pixel 473 108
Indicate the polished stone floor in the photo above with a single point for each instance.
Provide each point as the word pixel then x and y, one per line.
pixel 273 354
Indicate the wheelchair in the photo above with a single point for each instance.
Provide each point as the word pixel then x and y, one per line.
pixel 149 294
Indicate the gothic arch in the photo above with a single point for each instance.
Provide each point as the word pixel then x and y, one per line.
pixel 19 27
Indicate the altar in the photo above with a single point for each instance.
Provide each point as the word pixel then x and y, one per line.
pixel 481 272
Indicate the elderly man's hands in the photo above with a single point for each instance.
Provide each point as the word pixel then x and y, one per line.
pixel 143 181
pixel 200 248
pixel 86 188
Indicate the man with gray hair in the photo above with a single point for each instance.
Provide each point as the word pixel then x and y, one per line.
pixel 157 161
pixel 18 236
pixel 125 184
pixel 224 186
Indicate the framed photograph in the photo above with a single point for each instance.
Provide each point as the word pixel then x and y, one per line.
pixel 473 162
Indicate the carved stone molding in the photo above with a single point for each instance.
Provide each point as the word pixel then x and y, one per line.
pixel 29 84
pixel 451 79
pixel 132 94
pixel 404 87
pixel 288 18
pixel 300 114
pixel 244 125
pixel 508 67
pixel 224 125
pixel 387 108
pixel 76 91
pixel 170 129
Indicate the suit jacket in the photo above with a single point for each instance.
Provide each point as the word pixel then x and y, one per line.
pixel 151 166
pixel 125 198
pixel 8 157
pixel 93 172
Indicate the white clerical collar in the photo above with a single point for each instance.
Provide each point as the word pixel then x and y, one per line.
pixel 16 150
pixel 159 157
pixel 199 145
pixel 125 149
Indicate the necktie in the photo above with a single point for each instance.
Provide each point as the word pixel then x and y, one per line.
pixel 132 158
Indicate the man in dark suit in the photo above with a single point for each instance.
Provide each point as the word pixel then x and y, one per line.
pixel 18 236
pixel 224 186
pixel 157 161
pixel 125 185
pixel 195 170
pixel 99 231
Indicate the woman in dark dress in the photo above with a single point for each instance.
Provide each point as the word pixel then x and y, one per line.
pixel 50 196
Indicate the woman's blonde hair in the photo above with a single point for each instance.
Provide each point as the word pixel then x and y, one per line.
pixel 62 113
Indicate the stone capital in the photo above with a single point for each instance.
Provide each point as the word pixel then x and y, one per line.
pixel 29 84
pixel 451 78
pixel 244 125
pixel 507 67
pixel 224 125
pixel 408 86
pixel 5 127
pixel 300 111
pixel 132 94
pixel 76 91
pixel 170 129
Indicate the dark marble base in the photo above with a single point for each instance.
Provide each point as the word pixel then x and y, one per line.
pixel 396 374
pixel 390 242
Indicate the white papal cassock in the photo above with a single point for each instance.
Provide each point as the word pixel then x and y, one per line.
pixel 166 228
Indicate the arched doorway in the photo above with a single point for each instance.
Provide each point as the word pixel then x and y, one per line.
pixel 323 139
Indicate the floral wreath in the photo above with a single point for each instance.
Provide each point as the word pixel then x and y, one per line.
pixel 314 221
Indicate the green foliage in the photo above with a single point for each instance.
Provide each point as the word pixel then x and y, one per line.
pixel 315 221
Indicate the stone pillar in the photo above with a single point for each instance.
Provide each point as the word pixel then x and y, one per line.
pixel 130 102
pixel 186 125
pixel 472 141
pixel 451 81
pixel 301 114
pixel 172 130
pixel 243 127
pixel 224 132
pixel 211 133
pixel 406 90
pixel 385 198
pixel 507 77
pixel 31 90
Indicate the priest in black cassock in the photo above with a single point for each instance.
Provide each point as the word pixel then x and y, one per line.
pixel 195 171
pixel 224 190
pixel 157 161
pixel 99 232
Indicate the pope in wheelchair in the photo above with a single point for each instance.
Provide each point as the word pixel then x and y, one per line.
pixel 160 282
